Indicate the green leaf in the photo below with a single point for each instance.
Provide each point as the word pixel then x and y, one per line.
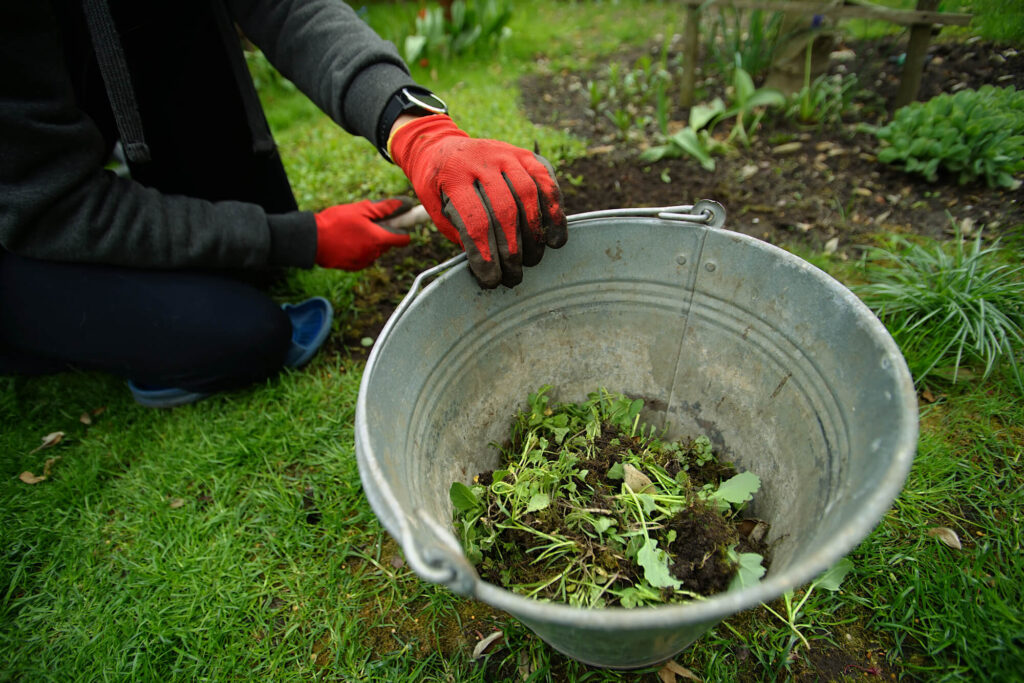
pixel 659 152
pixel 462 497
pixel 749 572
pixel 474 555
pixel 743 84
pixel 655 564
pixel 414 47
pixel 559 433
pixel 738 489
pixel 688 141
pixel 702 114
pixel 833 578
pixel 630 597
pixel 765 97
pixel 602 524
pixel 616 471
pixel 538 501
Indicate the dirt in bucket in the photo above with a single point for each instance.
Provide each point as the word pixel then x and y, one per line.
pixel 590 507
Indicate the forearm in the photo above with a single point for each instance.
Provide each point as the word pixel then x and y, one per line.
pixel 119 222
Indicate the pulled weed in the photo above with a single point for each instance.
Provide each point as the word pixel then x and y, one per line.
pixel 589 507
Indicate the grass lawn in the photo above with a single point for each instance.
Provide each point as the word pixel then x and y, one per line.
pixel 231 540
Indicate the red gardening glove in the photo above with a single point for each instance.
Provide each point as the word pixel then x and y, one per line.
pixel 500 202
pixel 352 236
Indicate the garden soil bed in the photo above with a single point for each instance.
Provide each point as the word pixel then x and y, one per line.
pixel 831 193
pixel 831 187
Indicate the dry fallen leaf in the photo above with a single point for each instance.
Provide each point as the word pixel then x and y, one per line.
pixel 671 669
pixel 753 529
pixel 176 503
pixel 30 478
pixel 832 245
pixel 947 536
pixel 636 480
pixel 51 439
pixel 48 465
pixel 482 646
pixel 524 665
pixel 85 419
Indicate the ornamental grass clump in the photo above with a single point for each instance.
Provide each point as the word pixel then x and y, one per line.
pixel 973 134
pixel 590 508
pixel 949 305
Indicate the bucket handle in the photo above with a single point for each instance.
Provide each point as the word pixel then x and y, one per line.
pixel 704 212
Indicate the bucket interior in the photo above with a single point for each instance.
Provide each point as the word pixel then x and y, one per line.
pixel 721 335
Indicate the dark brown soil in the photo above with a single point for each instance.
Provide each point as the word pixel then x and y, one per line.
pixel 382 288
pixel 830 190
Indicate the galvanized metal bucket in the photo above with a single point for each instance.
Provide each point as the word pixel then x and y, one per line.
pixel 787 372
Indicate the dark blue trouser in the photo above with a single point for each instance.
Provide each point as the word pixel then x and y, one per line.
pixel 197 331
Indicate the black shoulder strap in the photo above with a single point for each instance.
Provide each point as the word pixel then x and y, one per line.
pixel 117 79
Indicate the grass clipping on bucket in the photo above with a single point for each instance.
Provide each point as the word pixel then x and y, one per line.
pixel 590 508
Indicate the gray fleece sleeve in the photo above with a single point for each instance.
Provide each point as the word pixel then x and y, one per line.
pixel 330 54
pixel 57 202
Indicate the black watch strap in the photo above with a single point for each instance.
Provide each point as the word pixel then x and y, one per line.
pixel 408 100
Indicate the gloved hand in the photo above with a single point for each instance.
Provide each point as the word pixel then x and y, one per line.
pixel 500 202
pixel 352 236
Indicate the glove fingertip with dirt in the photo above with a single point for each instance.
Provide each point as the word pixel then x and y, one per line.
pixel 500 202
pixel 352 236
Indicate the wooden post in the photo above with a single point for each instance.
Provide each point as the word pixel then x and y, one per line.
pixel 691 54
pixel 917 50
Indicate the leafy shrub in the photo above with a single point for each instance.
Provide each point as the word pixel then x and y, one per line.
pixel 475 25
pixel 973 133
pixel 948 305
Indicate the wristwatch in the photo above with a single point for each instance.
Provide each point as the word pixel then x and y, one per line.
pixel 408 100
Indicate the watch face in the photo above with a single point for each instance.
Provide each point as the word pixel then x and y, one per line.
pixel 428 101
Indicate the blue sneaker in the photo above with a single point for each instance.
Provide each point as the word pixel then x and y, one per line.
pixel 311 323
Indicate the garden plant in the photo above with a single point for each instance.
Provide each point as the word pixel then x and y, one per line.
pixel 971 134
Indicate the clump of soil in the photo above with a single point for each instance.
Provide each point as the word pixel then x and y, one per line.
pixel 590 508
